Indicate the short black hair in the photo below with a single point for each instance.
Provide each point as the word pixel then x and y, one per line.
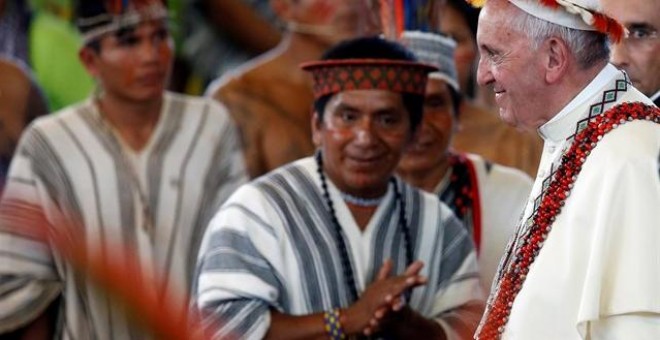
pixel 86 9
pixel 374 48
pixel 99 11
pixel 470 14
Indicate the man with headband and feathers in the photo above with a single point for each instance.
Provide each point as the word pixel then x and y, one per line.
pixel 584 261
pixel 134 171
pixel 334 246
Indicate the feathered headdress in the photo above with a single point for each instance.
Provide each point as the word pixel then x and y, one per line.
pixel 414 24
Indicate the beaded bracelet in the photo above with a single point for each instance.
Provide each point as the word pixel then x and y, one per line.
pixel 333 325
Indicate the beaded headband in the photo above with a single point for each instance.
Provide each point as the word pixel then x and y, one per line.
pixel 337 75
pixel 118 16
pixel 576 14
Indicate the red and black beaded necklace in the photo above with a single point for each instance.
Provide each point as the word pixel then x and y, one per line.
pixel 522 254
pixel 462 195
pixel 349 277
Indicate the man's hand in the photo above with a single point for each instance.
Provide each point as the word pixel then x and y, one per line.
pixel 384 295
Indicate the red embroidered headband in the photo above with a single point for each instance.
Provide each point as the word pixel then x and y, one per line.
pixel 576 14
pixel 337 75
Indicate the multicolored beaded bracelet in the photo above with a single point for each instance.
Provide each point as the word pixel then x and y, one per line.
pixel 333 325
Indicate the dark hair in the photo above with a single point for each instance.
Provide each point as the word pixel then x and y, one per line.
pixel 469 13
pixel 374 48
pixel 86 9
pixel 456 99
pixel 95 45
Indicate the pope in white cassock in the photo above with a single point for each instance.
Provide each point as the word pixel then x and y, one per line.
pixel 584 263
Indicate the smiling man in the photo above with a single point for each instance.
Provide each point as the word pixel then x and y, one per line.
pixel 132 167
pixel 333 245
pixel 583 263
pixel 488 198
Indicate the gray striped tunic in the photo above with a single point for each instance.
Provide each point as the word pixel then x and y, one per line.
pixel 271 245
pixel 70 165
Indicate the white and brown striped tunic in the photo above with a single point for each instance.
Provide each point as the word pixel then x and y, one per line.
pixel 271 245
pixel 71 163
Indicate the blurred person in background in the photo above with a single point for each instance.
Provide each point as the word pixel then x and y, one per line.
pixel 134 171
pixel 221 35
pixel 639 53
pixel 22 101
pixel 49 46
pixel 270 97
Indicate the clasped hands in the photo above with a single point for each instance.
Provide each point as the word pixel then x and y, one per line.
pixel 385 295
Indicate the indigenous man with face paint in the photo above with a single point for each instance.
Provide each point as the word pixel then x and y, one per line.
pixel 488 198
pixel 334 245
pixel 584 261
pixel 133 167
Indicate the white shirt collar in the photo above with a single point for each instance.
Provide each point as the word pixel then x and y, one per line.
pixel 655 96
pixel 562 125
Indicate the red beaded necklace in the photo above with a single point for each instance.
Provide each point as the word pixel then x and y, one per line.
pixel 516 269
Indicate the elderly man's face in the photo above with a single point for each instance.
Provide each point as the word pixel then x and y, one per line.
pixel 511 67
pixel 362 135
pixel 639 54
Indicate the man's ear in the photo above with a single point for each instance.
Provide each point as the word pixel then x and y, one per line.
pixel 557 59
pixel 89 58
pixel 316 129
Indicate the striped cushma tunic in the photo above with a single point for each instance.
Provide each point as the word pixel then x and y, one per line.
pixel 72 165
pixel 271 245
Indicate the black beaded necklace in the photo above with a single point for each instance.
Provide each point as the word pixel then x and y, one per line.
pixel 343 251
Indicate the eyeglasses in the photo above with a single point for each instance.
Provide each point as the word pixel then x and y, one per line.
pixel 640 36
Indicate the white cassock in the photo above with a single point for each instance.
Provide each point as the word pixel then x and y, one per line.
pixel 598 273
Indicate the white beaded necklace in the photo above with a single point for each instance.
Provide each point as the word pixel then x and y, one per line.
pixel 361 202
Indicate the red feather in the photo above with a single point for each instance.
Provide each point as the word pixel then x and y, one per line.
pixel 120 277
pixel 550 3
pixel 609 26
pixel 386 19
pixel 399 17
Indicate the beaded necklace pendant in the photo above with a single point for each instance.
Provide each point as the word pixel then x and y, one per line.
pixel 349 276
